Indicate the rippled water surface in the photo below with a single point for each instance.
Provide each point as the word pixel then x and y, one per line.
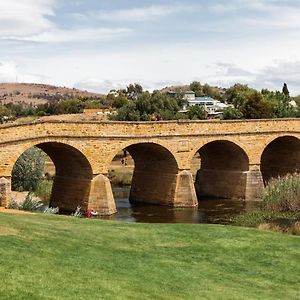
pixel 214 211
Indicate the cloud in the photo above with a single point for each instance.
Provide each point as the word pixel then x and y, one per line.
pixel 10 72
pixel 26 17
pixel 142 13
pixel 271 77
pixel 56 35
pixel 28 21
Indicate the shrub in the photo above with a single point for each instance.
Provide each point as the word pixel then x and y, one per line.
pixel 29 204
pixel 43 190
pixel 282 194
pixel 28 170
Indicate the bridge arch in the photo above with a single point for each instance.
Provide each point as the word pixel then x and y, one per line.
pixel 223 170
pixel 280 157
pixel 73 175
pixel 155 173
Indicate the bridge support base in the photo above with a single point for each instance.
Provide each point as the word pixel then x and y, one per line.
pixel 69 192
pixel 169 189
pixel 101 197
pixel 185 194
pixel 221 184
pixel 5 191
pixel 254 185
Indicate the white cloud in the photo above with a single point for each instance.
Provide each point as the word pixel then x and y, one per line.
pixel 26 17
pixel 142 13
pixel 10 72
pixel 76 35
pixel 28 20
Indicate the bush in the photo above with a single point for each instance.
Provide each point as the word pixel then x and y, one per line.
pixel 255 218
pixel 282 194
pixel 43 190
pixel 280 207
pixel 28 170
pixel 29 204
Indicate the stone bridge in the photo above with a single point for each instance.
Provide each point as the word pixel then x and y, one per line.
pixel 237 158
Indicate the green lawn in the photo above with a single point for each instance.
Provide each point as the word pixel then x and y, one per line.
pixel 58 257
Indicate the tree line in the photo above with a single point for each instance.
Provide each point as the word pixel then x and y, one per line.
pixel 135 104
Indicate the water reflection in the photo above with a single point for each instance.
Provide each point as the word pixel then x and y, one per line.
pixel 213 211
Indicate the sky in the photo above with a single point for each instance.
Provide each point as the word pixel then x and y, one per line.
pixel 98 45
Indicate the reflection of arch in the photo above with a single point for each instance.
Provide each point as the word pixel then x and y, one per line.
pixel 223 170
pixel 73 177
pixel 155 174
pixel 280 157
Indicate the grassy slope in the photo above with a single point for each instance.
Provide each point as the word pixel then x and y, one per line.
pixel 57 257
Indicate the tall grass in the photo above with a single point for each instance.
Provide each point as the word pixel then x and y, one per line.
pixel 43 190
pixel 280 207
pixel 282 194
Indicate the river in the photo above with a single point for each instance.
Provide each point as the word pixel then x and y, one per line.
pixel 213 211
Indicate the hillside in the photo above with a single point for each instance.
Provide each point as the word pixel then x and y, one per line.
pixel 39 93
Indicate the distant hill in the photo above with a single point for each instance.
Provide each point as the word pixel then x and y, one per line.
pixel 39 93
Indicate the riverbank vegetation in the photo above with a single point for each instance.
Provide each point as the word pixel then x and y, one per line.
pixel 59 257
pixel 279 209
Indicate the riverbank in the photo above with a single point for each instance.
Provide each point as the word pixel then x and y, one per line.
pixel 59 257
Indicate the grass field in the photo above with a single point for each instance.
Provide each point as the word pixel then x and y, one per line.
pixel 59 257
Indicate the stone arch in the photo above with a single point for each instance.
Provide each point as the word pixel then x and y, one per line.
pixel 223 170
pixel 157 178
pixel 72 182
pixel 127 144
pixel 155 173
pixel 281 157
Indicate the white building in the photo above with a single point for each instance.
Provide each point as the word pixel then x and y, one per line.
pixel 213 107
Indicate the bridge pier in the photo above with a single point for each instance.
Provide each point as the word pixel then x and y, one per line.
pixel 254 184
pixel 171 189
pixel 221 183
pixel 5 191
pixel 101 197
pixel 246 185
pixel 70 192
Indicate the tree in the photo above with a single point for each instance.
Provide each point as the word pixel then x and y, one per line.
pixel 236 94
pixel 197 113
pixel 231 113
pixel 134 90
pixel 285 90
pixel 196 87
pixel 119 101
pixel 28 170
pixel 255 107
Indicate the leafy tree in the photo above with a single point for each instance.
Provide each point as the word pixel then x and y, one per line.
pixel 28 170
pixel 236 94
pixel 196 87
pixel 255 107
pixel 197 113
pixel 280 103
pixel 231 113
pixel 127 113
pixel 119 101
pixel 134 90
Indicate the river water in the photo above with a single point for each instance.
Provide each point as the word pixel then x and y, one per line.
pixel 213 211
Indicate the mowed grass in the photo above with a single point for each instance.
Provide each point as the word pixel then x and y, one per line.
pixel 59 257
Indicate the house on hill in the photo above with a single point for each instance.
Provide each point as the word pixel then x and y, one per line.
pixel 213 107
